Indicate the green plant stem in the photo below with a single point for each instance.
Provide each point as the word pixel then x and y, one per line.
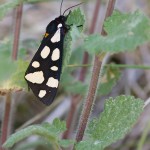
pixel 130 66
pixel 93 85
pixel 144 67
pixel 77 98
pixel 17 31
pixel 6 119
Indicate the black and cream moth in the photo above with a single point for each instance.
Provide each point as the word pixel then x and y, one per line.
pixel 43 73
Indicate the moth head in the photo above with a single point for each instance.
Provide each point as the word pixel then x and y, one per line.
pixel 52 26
pixel 61 19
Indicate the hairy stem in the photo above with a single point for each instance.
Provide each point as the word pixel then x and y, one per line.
pixel 77 98
pixel 6 119
pixel 93 85
pixel 17 31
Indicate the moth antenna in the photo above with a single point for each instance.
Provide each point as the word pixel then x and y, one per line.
pixel 72 7
pixel 61 6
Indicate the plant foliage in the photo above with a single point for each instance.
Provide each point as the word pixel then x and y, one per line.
pixel 124 33
pixel 118 117
pixel 50 132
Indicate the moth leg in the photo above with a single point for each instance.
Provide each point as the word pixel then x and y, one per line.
pixel 68 13
pixel 69 26
pixel 79 26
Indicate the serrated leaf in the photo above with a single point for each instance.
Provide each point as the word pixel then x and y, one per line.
pixel 124 33
pixel 51 132
pixel 75 19
pixel 56 128
pixel 118 117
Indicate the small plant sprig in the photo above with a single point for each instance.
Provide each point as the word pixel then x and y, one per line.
pixel 124 33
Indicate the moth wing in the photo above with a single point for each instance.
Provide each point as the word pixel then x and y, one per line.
pixel 43 73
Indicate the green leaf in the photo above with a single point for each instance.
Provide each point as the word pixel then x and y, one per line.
pixel 7 6
pixel 35 144
pixel 76 87
pixel 10 68
pixel 118 117
pixel 51 132
pixel 66 143
pixel 56 128
pixel 17 79
pixel 72 85
pixel 7 66
pixel 124 33
pixel 88 145
pixel 75 19
pixel 31 130
pixel 109 79
pixel 4 8
pixel 76 57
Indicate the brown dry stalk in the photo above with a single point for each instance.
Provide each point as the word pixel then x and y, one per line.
pixel 17 31
pixel 93 85
pixel 77 98
pixel 6 119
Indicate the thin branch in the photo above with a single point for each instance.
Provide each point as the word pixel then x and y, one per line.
pixel 144 67
pixel 6 119
pixel 95 16
pixel 93 85
pixel 91 30
pixel 77 98
pixel 147 102
pixel 17 31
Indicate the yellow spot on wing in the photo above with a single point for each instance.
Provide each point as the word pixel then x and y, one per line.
pixel 46 35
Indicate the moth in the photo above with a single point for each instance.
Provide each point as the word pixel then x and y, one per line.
pixel 44 70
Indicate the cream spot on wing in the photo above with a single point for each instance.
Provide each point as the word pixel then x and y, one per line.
pixel 42 93
pixel 54 68
pixel 36 77
pixel 52 82
pixel 45 52
pixel 56 37
pixel 35 64
pixel 59 25
pixel 55 54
